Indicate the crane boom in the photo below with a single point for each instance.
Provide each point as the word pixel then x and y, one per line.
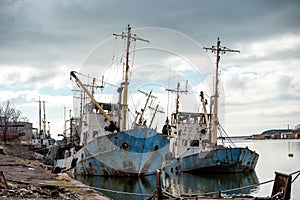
pixel 204 108
pixel 94 101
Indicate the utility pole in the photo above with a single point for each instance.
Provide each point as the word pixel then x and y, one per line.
pixel 65 127
pixel 217 50
pixel 40 117
pixel 42 132
pixel 128 37
pixel 44 120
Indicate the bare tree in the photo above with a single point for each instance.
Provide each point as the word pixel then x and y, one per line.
pixel 8 115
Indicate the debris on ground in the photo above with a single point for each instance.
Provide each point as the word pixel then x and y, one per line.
pixel 30 179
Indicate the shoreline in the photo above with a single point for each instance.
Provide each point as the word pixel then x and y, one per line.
pixel 31 179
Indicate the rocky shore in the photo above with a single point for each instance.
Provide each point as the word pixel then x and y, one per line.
pixel 27 178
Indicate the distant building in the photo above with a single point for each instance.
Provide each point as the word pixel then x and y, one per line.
pixel 16 130
pixel 278 134
pixel 275 133
pixel 258 137
pixel 291 135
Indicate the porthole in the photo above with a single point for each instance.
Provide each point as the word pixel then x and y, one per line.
pixel 124 145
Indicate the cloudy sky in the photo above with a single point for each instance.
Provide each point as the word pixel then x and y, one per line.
pixel 42 41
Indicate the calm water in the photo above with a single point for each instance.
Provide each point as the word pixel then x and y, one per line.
pixel 273 157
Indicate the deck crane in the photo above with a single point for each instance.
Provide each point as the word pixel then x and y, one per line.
pixel 112 124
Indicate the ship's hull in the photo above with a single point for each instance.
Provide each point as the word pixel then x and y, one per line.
pixel 128 153
pixel 222 160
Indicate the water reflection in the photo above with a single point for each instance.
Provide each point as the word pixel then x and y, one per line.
pixel 142 185
pixel 180 184
pixel 206 184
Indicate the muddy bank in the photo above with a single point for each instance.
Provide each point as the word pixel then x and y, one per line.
pixel 30 179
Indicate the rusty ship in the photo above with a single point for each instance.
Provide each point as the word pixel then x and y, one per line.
pixel 100 141
pixel 193 138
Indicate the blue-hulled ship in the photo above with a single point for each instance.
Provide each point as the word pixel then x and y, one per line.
pixel 99 141
pixel 193 138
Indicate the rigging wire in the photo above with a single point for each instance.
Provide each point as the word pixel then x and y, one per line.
pixel 224 132
pixel 134 106
pixel 116 55
pixel 115 50
pixel 133 54
pixel 168 91
pixel 98 84
pixel 132 61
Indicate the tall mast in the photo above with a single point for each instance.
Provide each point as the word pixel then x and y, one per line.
pixel 178 90
pixel 128 37
pixel 217 50
pixel 145 106
pixel 155 111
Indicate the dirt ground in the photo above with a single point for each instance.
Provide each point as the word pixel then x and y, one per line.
pixel 28 178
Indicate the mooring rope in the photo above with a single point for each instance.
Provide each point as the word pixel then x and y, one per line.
pixel 239 188
pixel 228 190
pixel 118 192
pixel 296 175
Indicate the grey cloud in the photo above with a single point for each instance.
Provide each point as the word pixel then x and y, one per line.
pixel 46 34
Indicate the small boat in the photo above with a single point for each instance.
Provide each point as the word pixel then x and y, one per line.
pixel 100 143
pixel 193 138
pixel 290 153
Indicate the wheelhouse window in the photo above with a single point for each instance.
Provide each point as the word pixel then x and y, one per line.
pixel 188 118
